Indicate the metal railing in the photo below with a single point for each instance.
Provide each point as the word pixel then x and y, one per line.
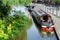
pixel 50 9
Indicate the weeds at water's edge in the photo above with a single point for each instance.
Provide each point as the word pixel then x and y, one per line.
pixel 22 35
pixel 29 24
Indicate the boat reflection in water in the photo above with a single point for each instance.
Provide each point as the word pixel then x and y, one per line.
pixel 35 32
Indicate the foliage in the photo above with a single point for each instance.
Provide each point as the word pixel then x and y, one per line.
pixel 25 2
pixel 17 2
pixel 12 25
pixel 11 2
pixel 56 1
pixel 5 6
pixel 4 10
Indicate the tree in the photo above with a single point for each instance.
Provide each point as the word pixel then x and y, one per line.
pixel 25 2
pixel 4 10
pixel 17 2
pixel 56 2
pixel 11 25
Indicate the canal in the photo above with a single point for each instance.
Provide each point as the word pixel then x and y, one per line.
pixel 35 33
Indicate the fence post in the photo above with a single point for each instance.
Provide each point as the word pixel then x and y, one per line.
pixel 56 12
